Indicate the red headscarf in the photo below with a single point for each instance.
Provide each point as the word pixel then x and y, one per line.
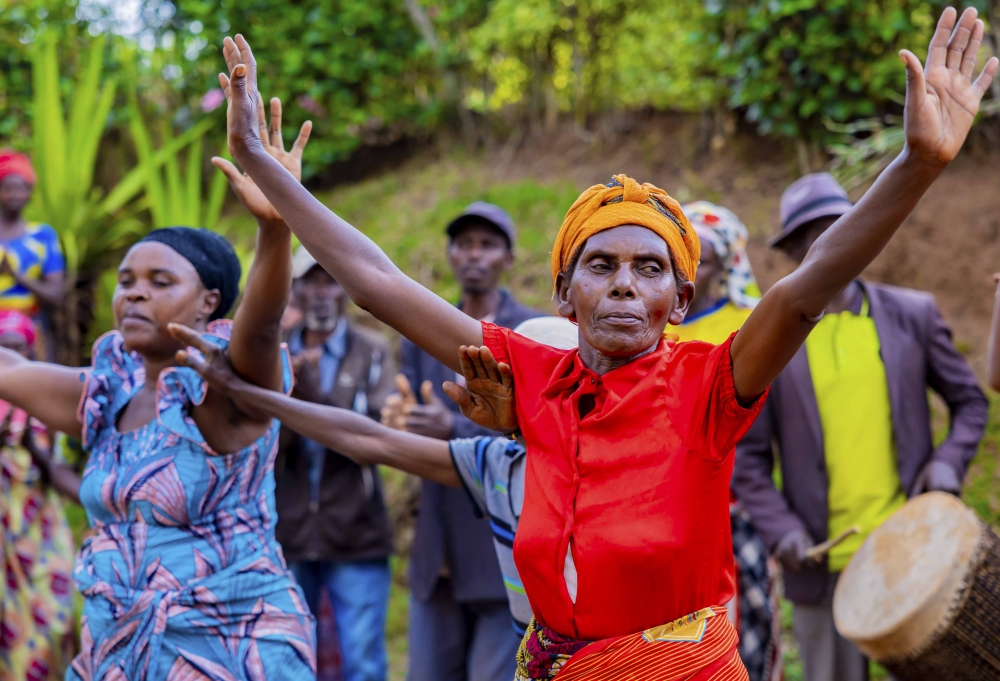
pixel 12 321
pixel 13 163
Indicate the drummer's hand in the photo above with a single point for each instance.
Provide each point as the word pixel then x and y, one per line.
pixel 791 550
pixel 938 476
pixel 487 399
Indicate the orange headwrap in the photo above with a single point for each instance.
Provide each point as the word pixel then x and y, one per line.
pixel 623 201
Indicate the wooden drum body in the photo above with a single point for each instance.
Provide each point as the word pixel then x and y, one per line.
pixel 922 594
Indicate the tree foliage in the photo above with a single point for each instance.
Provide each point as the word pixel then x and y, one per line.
pixel 792 64
pixel 357 68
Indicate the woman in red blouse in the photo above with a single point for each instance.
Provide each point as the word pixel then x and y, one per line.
pixel 623 543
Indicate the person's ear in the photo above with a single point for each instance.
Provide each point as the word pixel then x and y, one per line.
pixel 685 294
pixel 563 302
pixel 210 301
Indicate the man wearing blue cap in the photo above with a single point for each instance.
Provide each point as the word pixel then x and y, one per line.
pixel 460 626
pixel 850 411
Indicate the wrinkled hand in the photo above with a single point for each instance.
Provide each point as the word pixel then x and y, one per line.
pixel 214 366
pixel 938 476
pixel 241 92
pixel 487 398
pixel 791 550
pixel 941 98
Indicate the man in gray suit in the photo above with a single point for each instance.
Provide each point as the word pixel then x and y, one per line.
pixel 851 423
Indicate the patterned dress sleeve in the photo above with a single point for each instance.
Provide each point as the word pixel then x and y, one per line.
pixel 108 387
pixel 181 388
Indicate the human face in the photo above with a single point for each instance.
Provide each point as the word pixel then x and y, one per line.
pixel 17 343
pixel 158 286
pixel 321 298
pixel 801 240
pixel 479 255
pixel 622 292
pixel 15 192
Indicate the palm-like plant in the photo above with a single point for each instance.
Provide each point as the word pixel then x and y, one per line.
pixel 91 224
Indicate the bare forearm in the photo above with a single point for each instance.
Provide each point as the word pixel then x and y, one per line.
pixel 842 253
pixel 356 436
pixel 49 392
pixel 781 322
pixel 254 348
pixel 359 265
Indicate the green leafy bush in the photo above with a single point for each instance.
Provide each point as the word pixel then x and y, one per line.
pixel 357 68
pixel 794 63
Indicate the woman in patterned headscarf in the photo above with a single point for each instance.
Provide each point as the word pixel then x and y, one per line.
pixel 725 291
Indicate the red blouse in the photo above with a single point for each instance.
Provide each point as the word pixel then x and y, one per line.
pixel 639 487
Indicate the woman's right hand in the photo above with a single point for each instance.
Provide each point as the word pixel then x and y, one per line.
pixel 487 398
pixel 271 140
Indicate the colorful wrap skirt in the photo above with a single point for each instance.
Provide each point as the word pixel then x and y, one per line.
pixel 697 647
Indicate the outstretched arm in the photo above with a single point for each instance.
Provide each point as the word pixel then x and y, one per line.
pixel 255 344
pixel 941 103
pixel 49 392
pixel 359 265
pixel 351 434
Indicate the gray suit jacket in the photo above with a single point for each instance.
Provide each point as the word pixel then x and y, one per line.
pixel 918 354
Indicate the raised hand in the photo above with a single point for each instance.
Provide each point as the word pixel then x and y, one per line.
pixel 487 398
pixel 941 98
pixel 242 97
pixel 271 141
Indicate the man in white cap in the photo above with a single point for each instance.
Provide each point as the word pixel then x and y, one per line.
pixel 332 522
pixel 850 411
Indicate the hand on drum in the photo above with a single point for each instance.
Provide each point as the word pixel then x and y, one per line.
pixel 938 476
pixel 792 549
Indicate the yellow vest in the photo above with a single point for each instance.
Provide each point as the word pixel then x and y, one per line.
pixel 712 326
pixel 853 398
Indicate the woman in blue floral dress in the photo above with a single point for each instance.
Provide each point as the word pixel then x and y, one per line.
pixel 182 576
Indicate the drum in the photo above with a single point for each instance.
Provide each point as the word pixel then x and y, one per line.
pixel 922 594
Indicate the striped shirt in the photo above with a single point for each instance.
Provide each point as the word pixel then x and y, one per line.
pixel 492 472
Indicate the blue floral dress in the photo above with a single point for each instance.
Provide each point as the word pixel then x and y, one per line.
pixel 182 578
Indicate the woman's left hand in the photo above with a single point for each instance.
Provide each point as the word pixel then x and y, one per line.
pixel 941 98
pixel 243 186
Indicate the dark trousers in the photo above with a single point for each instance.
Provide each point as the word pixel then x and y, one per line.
pixel 452 641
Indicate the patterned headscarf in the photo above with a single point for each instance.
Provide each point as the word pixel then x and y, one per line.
pixel 728 236
pixel 623 201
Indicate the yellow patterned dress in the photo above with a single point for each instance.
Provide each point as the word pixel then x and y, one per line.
pixel 36 563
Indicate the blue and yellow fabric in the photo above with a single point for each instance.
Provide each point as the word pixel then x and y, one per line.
pixel 34 255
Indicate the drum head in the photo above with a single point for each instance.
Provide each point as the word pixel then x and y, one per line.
pixel 904 583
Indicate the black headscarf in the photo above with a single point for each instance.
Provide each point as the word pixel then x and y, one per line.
pixel 212 256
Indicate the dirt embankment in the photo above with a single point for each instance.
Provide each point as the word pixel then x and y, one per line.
pixel 950 246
